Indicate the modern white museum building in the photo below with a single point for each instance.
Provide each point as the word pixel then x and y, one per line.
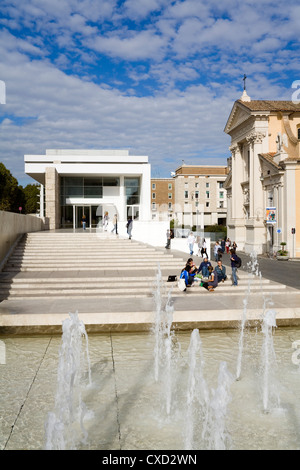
pixel 92 182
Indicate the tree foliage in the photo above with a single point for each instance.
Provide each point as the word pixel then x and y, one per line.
pixel 13 195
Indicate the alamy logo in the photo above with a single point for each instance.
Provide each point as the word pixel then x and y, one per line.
pixel 296 354
pixel 296 94
pixel 2 353
pixel 2 92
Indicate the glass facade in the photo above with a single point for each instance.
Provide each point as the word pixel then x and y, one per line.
pixel 85 187
pixel 77 187
pixel 132 191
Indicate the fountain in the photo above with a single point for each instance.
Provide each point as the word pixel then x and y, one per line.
pixel 253 272
pixel 163 351
pixel 271 397
pixel 219 437
pixel 69 408
pixel 197 401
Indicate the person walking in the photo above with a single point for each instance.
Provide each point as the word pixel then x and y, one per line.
pixel 190 241
pixel 83 222
pixel 168 245
pixel 129 227
pixel 105 221
pixel 115 223
pixel 203 249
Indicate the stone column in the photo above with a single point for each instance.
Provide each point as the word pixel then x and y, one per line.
pixel 52 194
pixel 237 177
pixel 255 187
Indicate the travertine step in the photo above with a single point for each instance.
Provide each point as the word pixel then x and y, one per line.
pixel 86 266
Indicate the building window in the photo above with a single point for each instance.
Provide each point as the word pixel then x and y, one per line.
pixel 221 184
pixel 207 204
pixel 170 195
pixel 196 194
pixel 132 188
pixel 153 186
pixel 207 194
pixel 186 194
pixel 153 195
pixel 221 195
pixel 153 206
pixel 170 186
pixel 170 206
pixel 221 204
pixel 196 185
pixel 207 185
pixel 299 133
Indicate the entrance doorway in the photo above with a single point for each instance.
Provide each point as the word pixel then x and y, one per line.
pixel 93 215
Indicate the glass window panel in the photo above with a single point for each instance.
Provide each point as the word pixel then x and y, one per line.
pixel 71 191
pixel 92 181
pixel 92 191
pixel 132 182
pixel 111 181
pixel 133 200
pixel 70 181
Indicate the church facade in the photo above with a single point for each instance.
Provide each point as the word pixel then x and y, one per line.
pixel 263 183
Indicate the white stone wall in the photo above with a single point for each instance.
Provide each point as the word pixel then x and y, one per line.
pixel 12 225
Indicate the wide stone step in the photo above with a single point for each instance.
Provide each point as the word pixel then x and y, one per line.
pixel 95 281
pixel 115 286
pixel 82 268
pixel 131 293
pixel 92 253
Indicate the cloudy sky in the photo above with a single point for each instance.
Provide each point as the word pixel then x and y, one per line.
pixel 157 77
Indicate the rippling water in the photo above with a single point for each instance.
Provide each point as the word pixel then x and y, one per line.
pixel 126 404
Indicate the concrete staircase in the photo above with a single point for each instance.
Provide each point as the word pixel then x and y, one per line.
pixel 90 265
pixel 86 265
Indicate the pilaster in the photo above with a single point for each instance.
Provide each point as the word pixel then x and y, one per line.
pixel 52 198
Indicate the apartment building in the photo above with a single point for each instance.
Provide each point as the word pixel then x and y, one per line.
pixel 194 196
pixel 162 198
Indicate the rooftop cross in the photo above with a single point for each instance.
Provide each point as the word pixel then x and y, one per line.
pixel 244 79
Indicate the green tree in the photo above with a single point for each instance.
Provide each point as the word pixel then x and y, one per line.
pixel 9 190
pixel 32 195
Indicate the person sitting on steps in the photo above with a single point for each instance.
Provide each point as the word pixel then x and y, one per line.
pixel 221 271
pixel 203 268
pixel 188 272
pixel 213 280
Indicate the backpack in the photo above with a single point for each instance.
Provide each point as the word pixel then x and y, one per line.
pixel 238 262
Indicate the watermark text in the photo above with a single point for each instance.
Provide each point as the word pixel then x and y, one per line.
pixel 2 92
pixel 296 94
pixel 296 354
pixel 2 353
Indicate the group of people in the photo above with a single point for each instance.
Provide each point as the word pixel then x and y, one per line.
pixel 105 223
pixel 208 276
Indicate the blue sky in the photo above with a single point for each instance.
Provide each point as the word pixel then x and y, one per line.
pixel 157 77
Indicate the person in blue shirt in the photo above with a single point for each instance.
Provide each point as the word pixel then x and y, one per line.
pixel 203 268
pixel 188 272
pixel 233 260
pixel 221 271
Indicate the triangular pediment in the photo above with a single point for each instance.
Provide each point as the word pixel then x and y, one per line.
pixel 228 182
pixel 238 115
pixel 271 173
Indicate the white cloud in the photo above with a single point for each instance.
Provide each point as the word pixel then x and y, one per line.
pixel 130 45
pixel 189 56
pixel 60 111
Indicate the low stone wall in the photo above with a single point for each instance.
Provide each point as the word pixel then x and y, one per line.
pixel 12 226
